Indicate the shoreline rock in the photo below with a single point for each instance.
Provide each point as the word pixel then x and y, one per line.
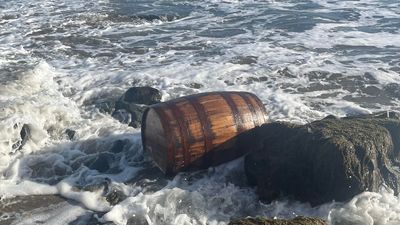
pixel 326 160
pixel 131 105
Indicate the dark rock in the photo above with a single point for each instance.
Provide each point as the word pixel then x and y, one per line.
pixel 122 115
pixel 243 60
pixel 105 100
pixel 264 221
pixel 263 78
pixel 134 102
pixel 70 133
pixel 25 134
pixel 118 146
pixel 105 106
pixel 139 95
pixel 102 162
pixel 195 85
pixel 115 196
pixel 136 115
pixel 329 159
pixel 286 73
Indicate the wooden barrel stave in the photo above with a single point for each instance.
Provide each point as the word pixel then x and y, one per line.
pixel 187 132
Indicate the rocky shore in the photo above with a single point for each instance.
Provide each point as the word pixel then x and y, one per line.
pixel 332 159
pixel 265 221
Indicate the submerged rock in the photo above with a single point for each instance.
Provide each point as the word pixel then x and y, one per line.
pixel 102 162
pixel 119 145
pixel 132 104
pixel 243 60
pixel 264 221
pixel 329 159
pixel 115 196
pixel 122 115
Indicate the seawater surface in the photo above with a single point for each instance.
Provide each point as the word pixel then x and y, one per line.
pixel 63 62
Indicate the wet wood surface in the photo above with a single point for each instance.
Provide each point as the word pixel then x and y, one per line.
pixel 185 132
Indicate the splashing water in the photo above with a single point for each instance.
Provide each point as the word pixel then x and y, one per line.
pixel 61 62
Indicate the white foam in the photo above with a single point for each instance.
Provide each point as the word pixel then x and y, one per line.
pixel 91 200
pixel 33 100
pixel 53 94
pixel 369 208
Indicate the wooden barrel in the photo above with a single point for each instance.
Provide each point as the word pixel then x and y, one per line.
pixel 198 131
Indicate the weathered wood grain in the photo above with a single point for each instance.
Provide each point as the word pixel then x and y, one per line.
pixel 185 132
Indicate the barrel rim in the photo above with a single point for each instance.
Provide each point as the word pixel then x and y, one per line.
pixel 208 93
pixel 143 127
pixel 261 105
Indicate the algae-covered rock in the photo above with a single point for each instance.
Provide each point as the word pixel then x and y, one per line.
pixel 265 221
pixel 329 159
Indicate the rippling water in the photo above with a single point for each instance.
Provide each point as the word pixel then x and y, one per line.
pixel 62 61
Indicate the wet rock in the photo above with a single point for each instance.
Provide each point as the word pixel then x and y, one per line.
pixel 229 83
pixel 118 146
pixel 286 73
pixel 105 106
pixel 136 115
pixel 265 221
pixel 329 159
pixel 25 134
pixel 139 95
pixel 243 60
pixel 115 196
pixel 134 102
pixel 105 100
pixel 102 162
pixel 263 78
pixel 122 115
pixel 70 133
pixel 247 80
pixel 195 85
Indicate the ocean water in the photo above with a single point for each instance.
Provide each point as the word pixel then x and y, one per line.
pixel 63 62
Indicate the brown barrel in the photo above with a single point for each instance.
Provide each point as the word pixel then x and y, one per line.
pixel 198 131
